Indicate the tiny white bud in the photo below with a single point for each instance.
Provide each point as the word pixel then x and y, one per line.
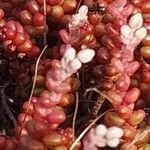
pixel 64 75
pixel 141 33
pixel 70 54
pixel 125 31
pixel 114 132
pixel 136 21
pixel 101 130
pixel 100 142
pixel 76 64
pixel 86 55
pixel 113 142
pixel 63 63
pixel 83 10
pixel 124 40
pixel 73 66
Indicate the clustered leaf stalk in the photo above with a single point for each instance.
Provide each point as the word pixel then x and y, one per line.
pixel 127 27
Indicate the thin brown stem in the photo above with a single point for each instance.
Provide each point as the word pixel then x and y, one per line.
pixel 97 106
pixel 45 32
pixel 99 92
pixel 139 137
pixel 75 143
pixel 75 115
pixel 4 102
pixel 79 3
pixel 33 87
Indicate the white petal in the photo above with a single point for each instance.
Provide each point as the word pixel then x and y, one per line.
pixel 63 63
pixel 141 33
pixel 113 142
pixel 136 21
pixel 114 132
pixel 74 66
pixel 86 55
pixel 100 142
pixel 83 10
pixel 64 75
pixel 70 54
pixel 124 40
pixel 101 130
pixel 125 31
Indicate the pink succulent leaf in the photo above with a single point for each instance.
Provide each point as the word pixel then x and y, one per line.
pixel 63 88
pixel 115 96
pixel 100 141
pixel 132 105
pixel 132 95
pixel 117 64
pixel 115 53
pixel 114 12
pixel 116 7
pixel 127 10
pixel 63 48
pixel 113 32
pixel 51 74
pixel 119 3
pixel 89 141
pixel 132 67
pixel 127 52
pixel 55 97
pixel 122 84
pixel 51 84
pixel 41 110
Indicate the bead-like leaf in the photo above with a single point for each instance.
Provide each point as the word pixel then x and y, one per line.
pixel 136 21
pixel 86 55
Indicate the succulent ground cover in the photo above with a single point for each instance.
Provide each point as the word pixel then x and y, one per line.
pixel 74 74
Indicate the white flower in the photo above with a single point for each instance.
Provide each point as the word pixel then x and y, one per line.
pixel 140 33
pixel 71 61
pixel 114 132
pixel 133 33
pixel 113 142
pixel 125 31
pixel 136 21
pixel 70 54
pixel 73 66
pixel 79 19
pixel 100 141
pixel 101 130
pixel 63 63
pixel 86 55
